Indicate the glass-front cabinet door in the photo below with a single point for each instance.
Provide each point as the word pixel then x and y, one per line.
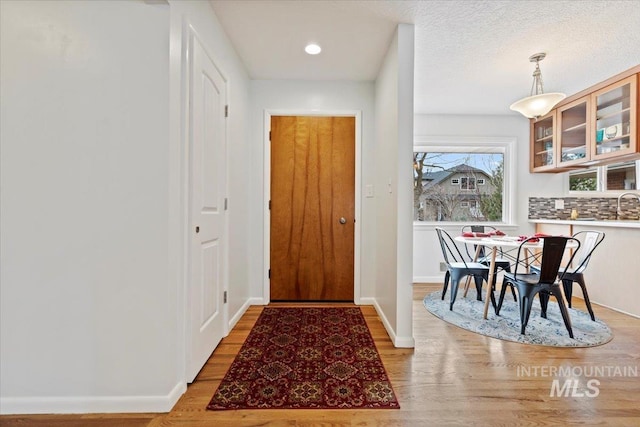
pixel 614 112
pixel 573 132
pixel 542 147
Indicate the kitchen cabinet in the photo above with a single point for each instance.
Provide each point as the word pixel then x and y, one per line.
pixel 615 110
pixel 598 125
pixel 543 148
pixel 574 132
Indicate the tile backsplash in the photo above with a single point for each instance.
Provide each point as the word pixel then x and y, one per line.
pixel 600 208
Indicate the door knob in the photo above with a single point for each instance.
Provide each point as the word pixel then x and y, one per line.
pixel 343 220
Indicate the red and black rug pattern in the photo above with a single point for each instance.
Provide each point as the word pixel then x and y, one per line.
pixel 322 358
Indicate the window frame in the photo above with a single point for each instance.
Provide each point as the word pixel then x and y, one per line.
pixel 601 182
pixel 465 144
pixel 469 180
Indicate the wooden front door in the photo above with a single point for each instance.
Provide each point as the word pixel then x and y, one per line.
pixel 312 208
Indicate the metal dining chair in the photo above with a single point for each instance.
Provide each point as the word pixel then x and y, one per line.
pixel 458 268
pixel 545 283
pixel 590 241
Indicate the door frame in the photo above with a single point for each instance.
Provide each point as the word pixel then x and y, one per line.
pixel 357 114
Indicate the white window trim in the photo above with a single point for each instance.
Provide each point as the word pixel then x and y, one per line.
pixel 469 179
pixel 601 177
pixel 466 144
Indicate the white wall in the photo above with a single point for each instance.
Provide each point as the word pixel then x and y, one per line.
pixel 306 96
pixel 427 253
pixel 88 307
pixel 92 202
pixel 394 147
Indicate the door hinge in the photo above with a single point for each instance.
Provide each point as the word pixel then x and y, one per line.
pixel 226 111
pixel 269 274
pixel 225 297
pixel 269 204
pixel 269 135
pixel 226 203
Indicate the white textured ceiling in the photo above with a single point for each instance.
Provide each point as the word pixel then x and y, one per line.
pixel 471 56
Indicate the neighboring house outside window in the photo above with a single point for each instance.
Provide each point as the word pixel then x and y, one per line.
pixel 487 165
pixel 440 202
pixel 458 192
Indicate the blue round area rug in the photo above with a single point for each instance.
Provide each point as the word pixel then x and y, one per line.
pixel 467 314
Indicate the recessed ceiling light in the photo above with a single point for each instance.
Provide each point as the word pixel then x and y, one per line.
pixel 312 49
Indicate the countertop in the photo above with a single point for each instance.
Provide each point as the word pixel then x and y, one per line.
pixel 590 223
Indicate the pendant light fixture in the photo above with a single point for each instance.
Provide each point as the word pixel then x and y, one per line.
pixel 538 103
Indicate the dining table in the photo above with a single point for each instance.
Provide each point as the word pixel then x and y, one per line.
pixel 504 242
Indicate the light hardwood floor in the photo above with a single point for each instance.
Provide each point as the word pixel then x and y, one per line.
pixel 451 378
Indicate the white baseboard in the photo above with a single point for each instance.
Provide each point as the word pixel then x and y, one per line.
pixel 398 341
pixel 611 308
pixel 404 342
pixel 366 301
pixel 429 279
pixel 91 404
pixel 236 317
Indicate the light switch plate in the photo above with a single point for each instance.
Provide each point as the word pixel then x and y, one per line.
pixel 368 190
pixel 560 204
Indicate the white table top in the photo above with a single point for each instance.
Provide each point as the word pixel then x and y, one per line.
pixel 501 241
pixel 506 242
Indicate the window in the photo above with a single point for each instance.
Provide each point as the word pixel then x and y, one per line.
pixel 467 183
pixel 477 191
pixel 613 177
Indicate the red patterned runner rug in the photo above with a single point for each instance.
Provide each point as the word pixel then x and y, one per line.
pixel 304 358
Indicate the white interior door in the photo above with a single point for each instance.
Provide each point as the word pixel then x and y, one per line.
pixel 207 99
